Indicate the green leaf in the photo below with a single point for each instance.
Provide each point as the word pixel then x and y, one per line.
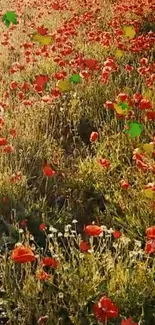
pixel 75 78
pixel 8 17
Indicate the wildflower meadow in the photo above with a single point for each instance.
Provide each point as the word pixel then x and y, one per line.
pixel 77 162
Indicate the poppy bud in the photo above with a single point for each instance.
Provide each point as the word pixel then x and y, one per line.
pixel 94 136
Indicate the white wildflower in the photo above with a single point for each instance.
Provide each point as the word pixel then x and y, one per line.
pixel 74 221
pixel 60 234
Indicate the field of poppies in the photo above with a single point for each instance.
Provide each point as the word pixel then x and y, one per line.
pixel 77 162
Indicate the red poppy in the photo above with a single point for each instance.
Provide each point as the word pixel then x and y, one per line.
pixel 93 136
pixel 137 97
pixel 99 313
pixel 16 177
pixel 22 254
pixel 128 68
pixel 144 61
pixel 122 97
pixel 50 261
pixel 145 104
pixel 42 30
pixel 150 232
pixel 42 275
pixel 104 162
pixel 117 234
pixel 90 63
pixel 8 149
pixel 150 246
pixel 3 141
pixel 105 309
pixel 42 227
pixel 124 184
pixel 55 6
pixel 128 322
pixel 84 246
pixel 25 86
pixel 13 85
pixel 13 132
pixel 21 95
pixel 48 171
pixel 55 93
pixel 27 102
pixel 109 104
pixel 151 115
pixel 140 164
pixel 93 230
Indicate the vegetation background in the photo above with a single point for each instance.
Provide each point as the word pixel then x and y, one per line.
pixel 100 181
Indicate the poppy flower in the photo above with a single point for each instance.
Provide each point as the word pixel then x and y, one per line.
pixel 128 68
pixel 144 61
pixel 8 149
pixel 137 97
pixel 27 102
pixel 42 227
pixel 13 132
pixel 55 6
pixel 13 85
pixel 50 261
pixel 151 115
pixel 22 254
pixel 3 141
pixel 122 97
pixel 93 136
pixel 145 104
pixel 99 313
pixel 16 177
pixel 55 93
pixel 48 171
pixel 109 104
pixel 92 230
pixel 140 164
pixel 42 30
pixel 150 232
pixel 124 184
pixel 84 246
pixel 150 246
pixel 117 234
pixel 25 87
pixel 42 275
pixel 104 162
pixel 128 322
pixel 91 64
pixel 105 309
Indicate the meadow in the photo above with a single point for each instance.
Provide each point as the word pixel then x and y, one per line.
pixel 77 162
